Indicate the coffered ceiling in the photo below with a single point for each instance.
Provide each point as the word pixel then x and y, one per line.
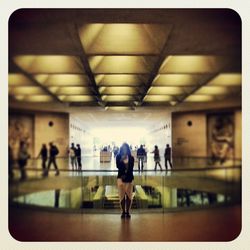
pixel 123 59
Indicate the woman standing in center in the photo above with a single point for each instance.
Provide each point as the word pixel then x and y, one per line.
pixel 125 165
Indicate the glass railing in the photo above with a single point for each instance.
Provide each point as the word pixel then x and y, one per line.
pixel 95 190
pixel 91 163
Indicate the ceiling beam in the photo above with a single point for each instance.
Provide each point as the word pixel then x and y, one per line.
pixel 156 68
pixel 121 85
pixel 74 34
pixel 83 104
pixel 32 79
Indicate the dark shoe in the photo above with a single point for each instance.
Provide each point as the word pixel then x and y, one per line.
pixel 123 215
pixel 57 173
pixel 128 216
pixel 45 174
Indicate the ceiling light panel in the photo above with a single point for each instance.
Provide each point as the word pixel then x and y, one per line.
pixel 122 64
pixel 118 90
pixel 76 98
pixel 192 64
pixel 200 98
pixel 26 90
pixel 19 80
pixel 34 98
pixel 120 80
pixel 228 79
pixel 119 108
pixel 217 90
pixel 117 98
pixel 177 80
pixel 62 79
pixel 158 98
pixel 169 90
pixel 70 90
pixel 124 38
pixel 49 64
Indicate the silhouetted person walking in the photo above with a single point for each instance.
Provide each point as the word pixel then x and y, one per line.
pixel 23 157
pixel 167 156
pixel 78 156
pixel 53 152
pixel 157 158
pixel 125 165
pixel 44 155
pixel 141 154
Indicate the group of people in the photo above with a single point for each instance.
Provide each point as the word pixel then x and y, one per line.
pixel 125 165
pixel 53 152
pixel 23 157
pixel 75 155
pixel 141 154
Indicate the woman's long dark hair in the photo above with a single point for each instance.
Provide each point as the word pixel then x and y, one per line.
pixel 124 147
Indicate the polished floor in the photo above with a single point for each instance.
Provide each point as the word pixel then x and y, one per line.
pixel 217 224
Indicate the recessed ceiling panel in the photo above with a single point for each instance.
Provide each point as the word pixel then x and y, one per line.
pixel 76 98
pixel 49 64
pixel 62 79
pixel 123 38
pixel 177 80
pixel 34 98
pixel 120 80
pixel 70 90
pixel 168 90
pixel 118 108
pixel 118 90
pixel 19 80
pixel 217 90
pixel 122 64
pixel 226 80
pixel 158 98
pixel 193 64
pixel 29 90
pixel 117 98
pixel 200 98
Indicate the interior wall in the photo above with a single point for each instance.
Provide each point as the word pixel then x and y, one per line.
pixel 21 129
pixel 80 135
pixel 189 139
pixel 37 128
pixel 58 133
pixel 161 135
